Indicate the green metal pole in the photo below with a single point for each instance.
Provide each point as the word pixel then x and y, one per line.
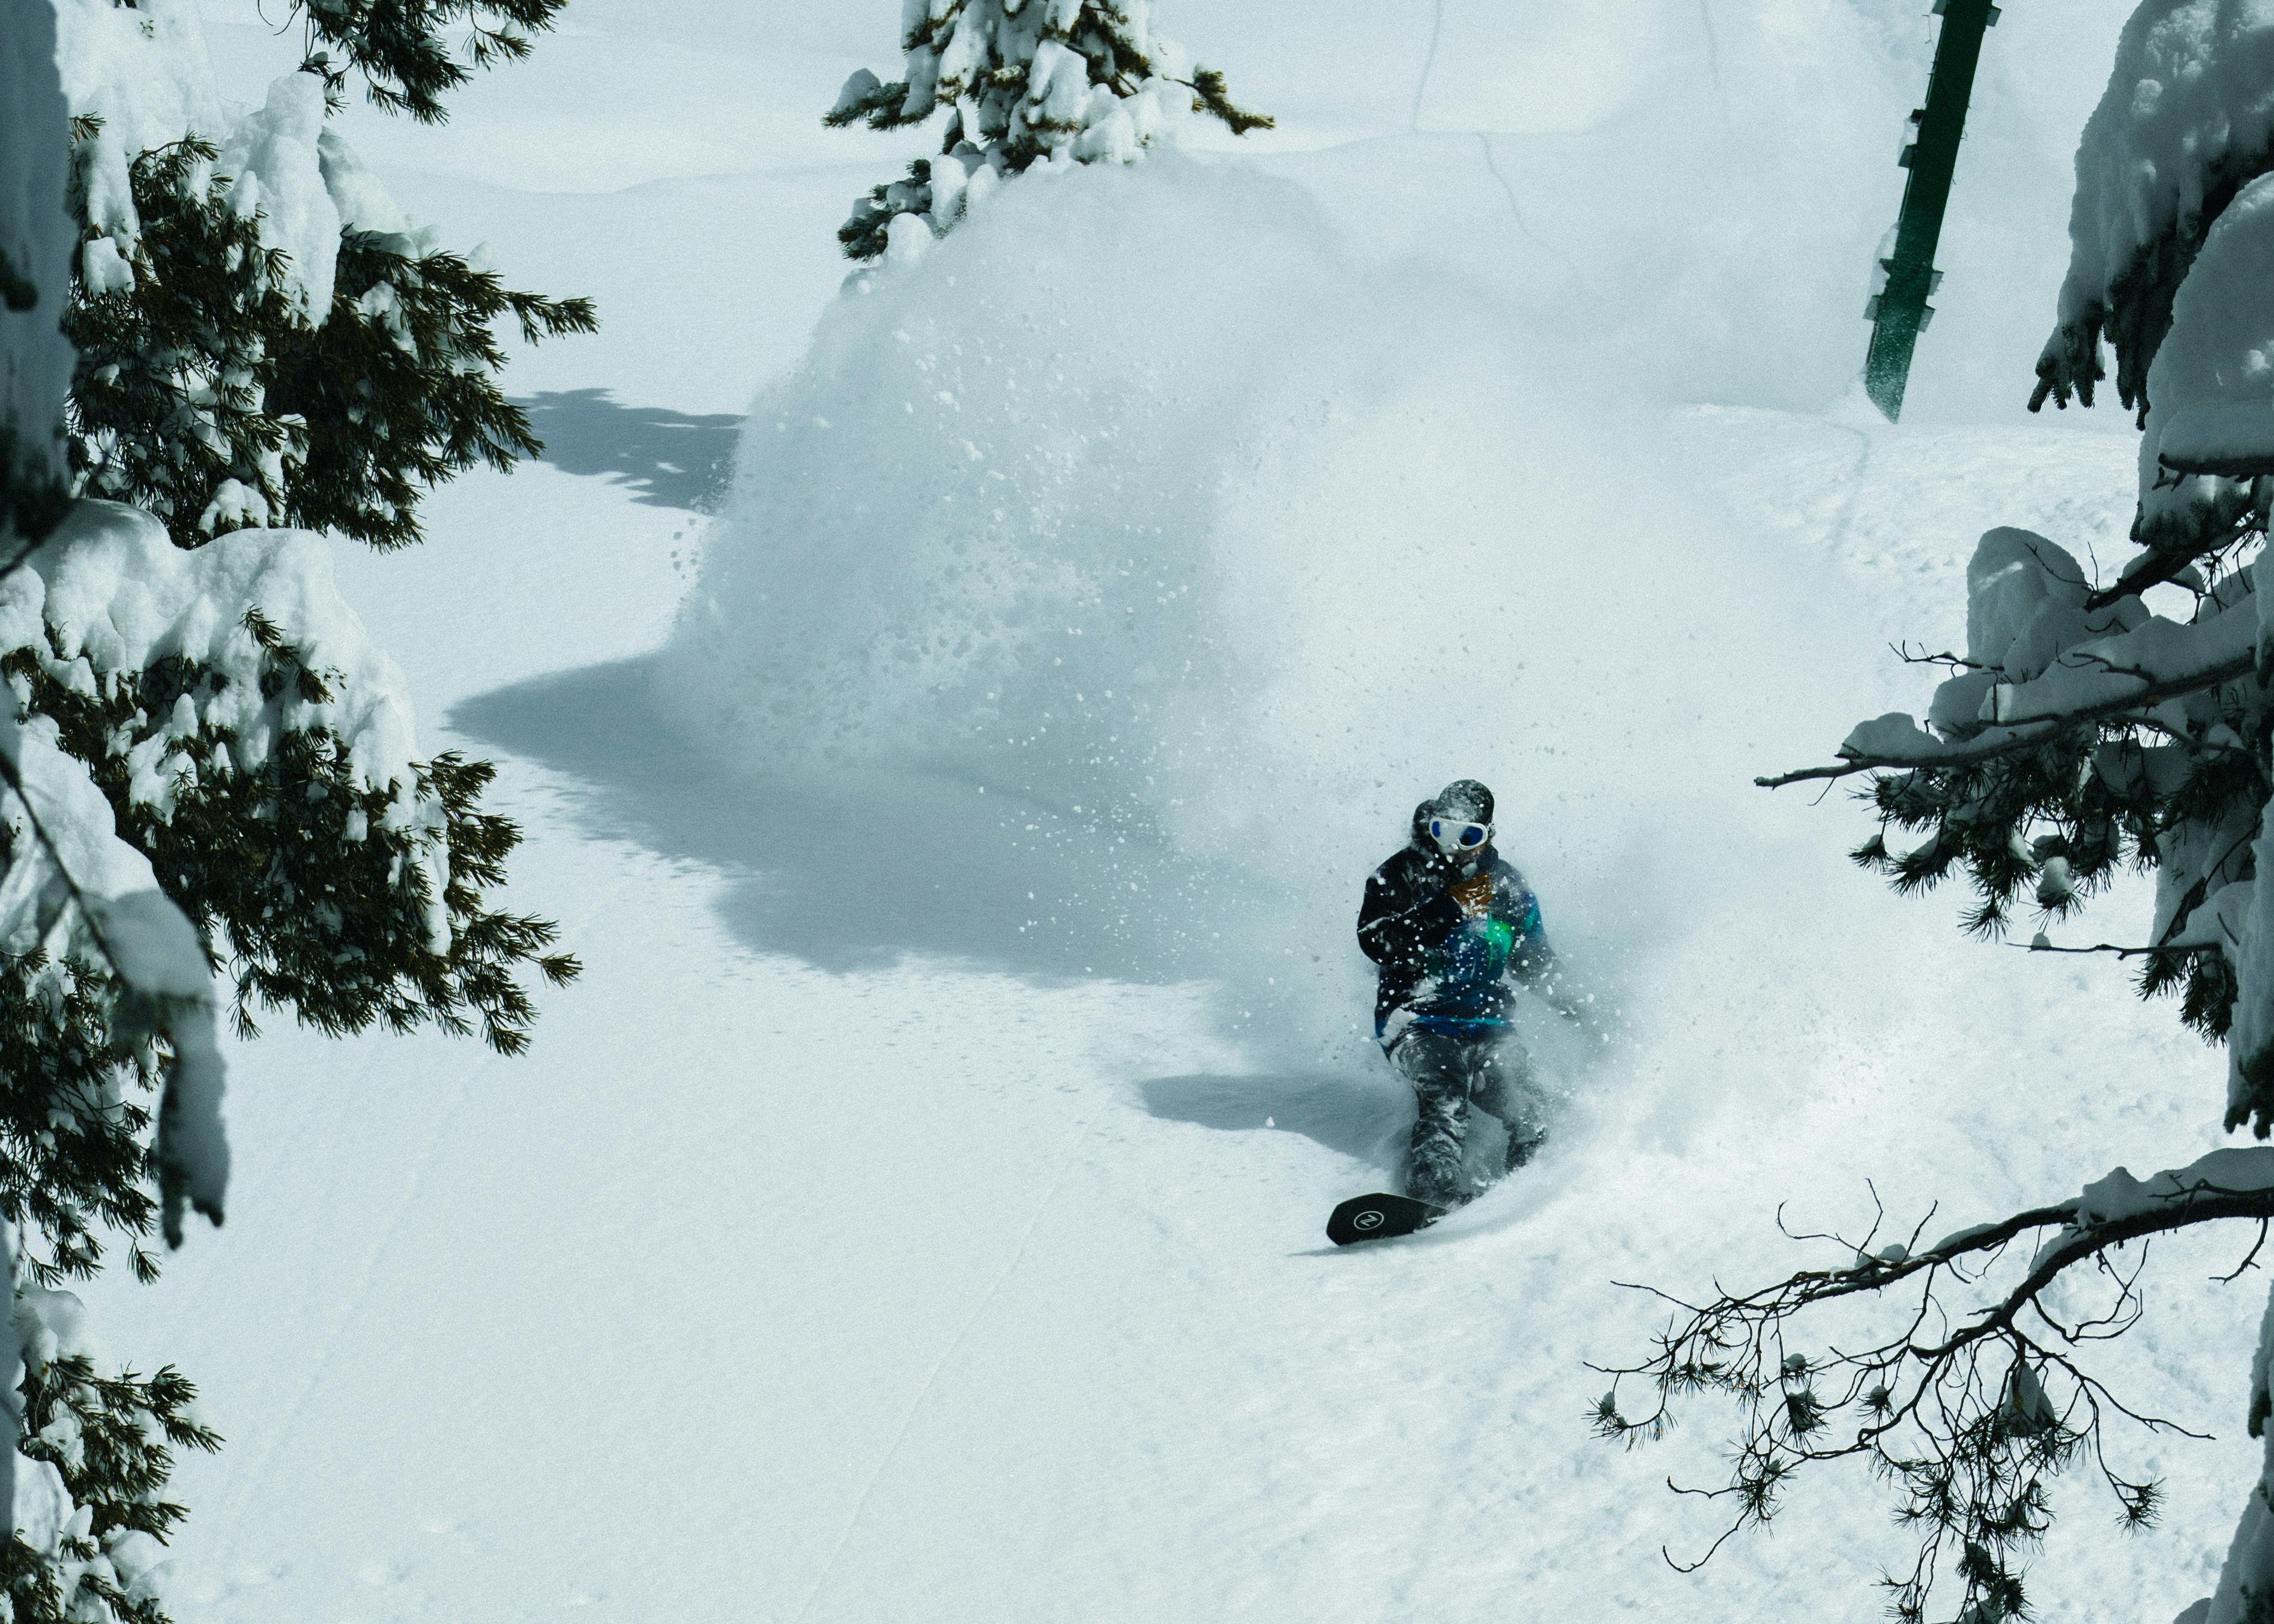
pixel 1899 314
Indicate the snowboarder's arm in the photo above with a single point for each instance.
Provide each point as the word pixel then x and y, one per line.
pixel 1541 974
pixel 1395 929
pixel 1533 960
pixel 1534 964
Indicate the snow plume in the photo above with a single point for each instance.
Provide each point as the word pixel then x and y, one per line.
pixel 1136 499
pixel 1018 580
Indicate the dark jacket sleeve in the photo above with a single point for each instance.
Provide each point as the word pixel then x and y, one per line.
pixel 1399 920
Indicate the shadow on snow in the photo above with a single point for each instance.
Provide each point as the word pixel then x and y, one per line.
pixel 869 869
pixel 1366 1119
pixel 668 458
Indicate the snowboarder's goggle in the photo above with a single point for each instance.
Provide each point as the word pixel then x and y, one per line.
pixel 1452 835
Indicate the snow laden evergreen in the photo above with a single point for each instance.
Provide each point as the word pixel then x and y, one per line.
pixel 265 340
pixel 224 325
pixel 2157 166
pixel 105 997
pixel 1024 82
pixel 2082 730
pixel 402 49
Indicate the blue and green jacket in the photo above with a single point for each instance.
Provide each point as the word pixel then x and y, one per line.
pixel 1440 970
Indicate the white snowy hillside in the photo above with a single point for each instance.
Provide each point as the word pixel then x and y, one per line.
pixel 953 714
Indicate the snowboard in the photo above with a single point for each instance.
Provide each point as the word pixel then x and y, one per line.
pixel 1378 1217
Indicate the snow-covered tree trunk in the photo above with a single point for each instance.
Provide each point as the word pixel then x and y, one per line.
pixel 2245 1582
pixel 35 367
pixel 73 895
pixel 35 239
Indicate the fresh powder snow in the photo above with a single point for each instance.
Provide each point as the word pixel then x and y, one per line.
pixel 958 781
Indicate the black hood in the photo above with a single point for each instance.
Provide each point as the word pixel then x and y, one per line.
pixel 1464 797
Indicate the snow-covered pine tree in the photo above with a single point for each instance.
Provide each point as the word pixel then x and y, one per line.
pixel 104 992
pixel 2079 732
pixel 1025 82
pixel 199 717
pixel 266 340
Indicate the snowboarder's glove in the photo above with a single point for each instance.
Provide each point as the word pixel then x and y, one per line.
pixel 1475 896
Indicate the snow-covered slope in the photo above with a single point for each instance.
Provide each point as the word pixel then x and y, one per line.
pixel 914 1211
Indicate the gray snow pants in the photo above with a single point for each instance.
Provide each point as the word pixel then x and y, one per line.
pixel 1449 1072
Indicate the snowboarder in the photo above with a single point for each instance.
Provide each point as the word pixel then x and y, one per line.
pixel 1455 930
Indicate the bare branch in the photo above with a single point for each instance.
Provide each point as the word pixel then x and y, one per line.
pixel 1955 662
pixel 2250 1259
pixel 1969 1412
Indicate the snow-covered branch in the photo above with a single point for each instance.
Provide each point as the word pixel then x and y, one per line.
pixel 2187 120
pixel 2079 731
pixel 72 889
pixel 1896 743
pixel 2044 659
pixel 101 976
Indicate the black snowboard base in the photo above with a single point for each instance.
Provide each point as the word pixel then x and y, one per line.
pixel 1378 1217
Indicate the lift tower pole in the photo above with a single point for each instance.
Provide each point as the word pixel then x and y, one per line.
pixel 1899 312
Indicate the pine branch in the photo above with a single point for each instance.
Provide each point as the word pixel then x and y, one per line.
pixel 400 48
pixel 1210 96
